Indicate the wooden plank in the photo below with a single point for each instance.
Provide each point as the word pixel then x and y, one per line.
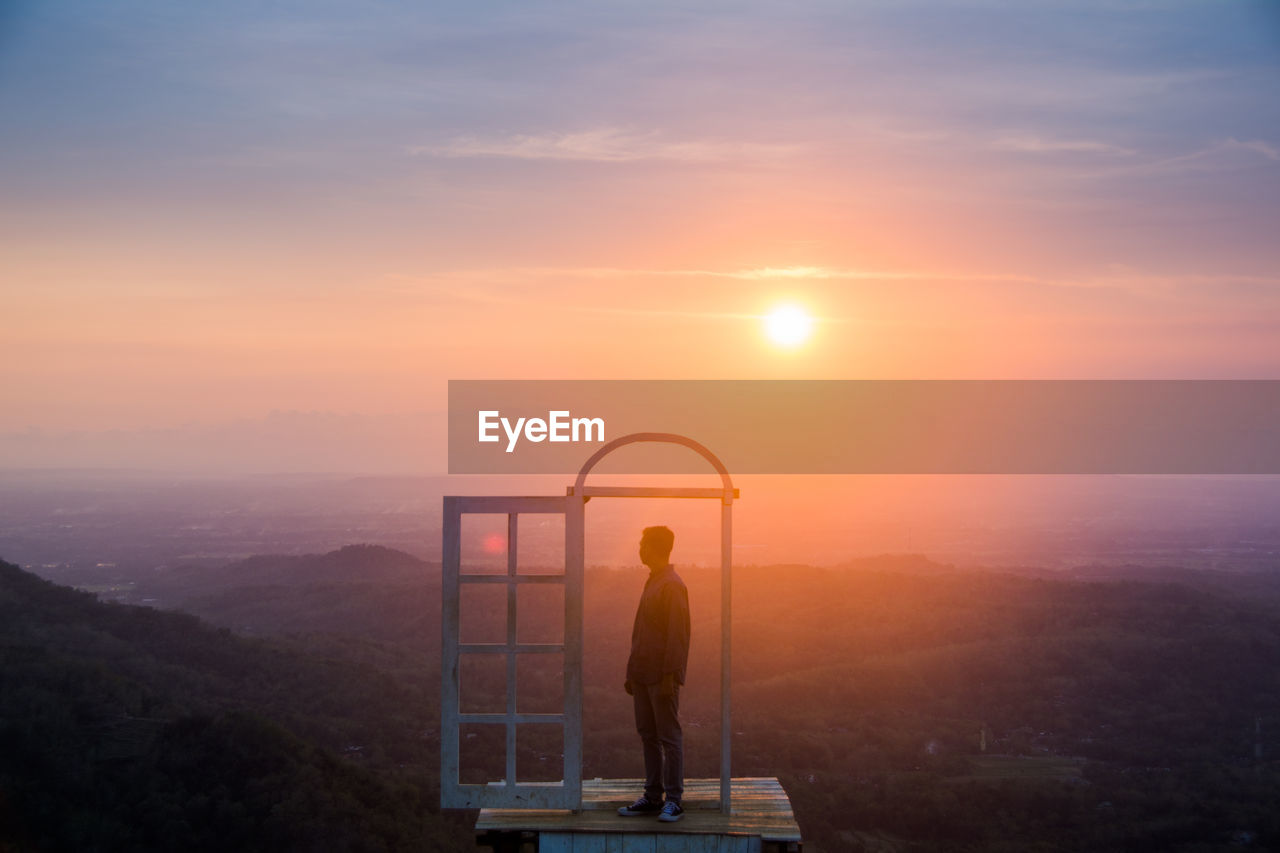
pixel 699 793
pixel 600 842
pixel 762 811
pixel 640 844
pixel 584 842
pixel 689 843
pixel 556 842
pixel 677 843
pixel 731 844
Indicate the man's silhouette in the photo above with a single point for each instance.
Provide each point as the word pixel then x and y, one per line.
pixel 655 671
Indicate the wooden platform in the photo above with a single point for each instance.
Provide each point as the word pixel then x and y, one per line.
pixel 762 820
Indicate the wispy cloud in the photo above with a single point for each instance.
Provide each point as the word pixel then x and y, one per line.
pixel 604 145
pixel 793 273
pixel 662 312
pixel 469 283
pixel 1205 156
pixel 843 273
pixel 1043 145
pixel 1225 154
pixel 1268 151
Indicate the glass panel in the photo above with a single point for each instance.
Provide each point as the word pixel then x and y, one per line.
pixel 482 613
pixel 483 543
pixel 482 684
pixel 482 753
pixel 540 683
pixel 540 544
pixel 540 613
pixel 539 753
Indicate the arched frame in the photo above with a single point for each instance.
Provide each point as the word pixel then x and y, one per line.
pixel 568 794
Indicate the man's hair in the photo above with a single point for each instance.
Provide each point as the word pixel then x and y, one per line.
pixel 661 536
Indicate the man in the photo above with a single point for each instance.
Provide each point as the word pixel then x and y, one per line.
pixel 655 671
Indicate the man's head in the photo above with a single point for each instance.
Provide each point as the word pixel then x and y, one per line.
pixel 655 546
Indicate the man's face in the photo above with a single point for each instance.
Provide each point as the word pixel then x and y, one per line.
pixel 648 553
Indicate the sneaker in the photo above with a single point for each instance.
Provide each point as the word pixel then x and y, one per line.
pixel 671 812
pixel 644 805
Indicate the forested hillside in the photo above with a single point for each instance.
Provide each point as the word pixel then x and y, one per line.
pixel 127 728
pixel 904 705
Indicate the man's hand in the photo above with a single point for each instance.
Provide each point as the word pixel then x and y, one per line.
pixel 626 685
pixel 668 685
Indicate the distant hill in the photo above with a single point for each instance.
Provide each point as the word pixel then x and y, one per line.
pixel 905 705
pixel 884 633
pixel 350 564
pixel 128 728
pixel 368 591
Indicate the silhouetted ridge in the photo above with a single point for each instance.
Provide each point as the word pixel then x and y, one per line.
pixel 129 728
pixel 352 563
pixel 366 590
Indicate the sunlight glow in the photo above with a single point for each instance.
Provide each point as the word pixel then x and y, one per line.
pixel 786 272
pixel 788 325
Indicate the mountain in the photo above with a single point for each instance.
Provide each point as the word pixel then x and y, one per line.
pixel 351 564
pixel 364 591
pixel 905 705
pixel 129 728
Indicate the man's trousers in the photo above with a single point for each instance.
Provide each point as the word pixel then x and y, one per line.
pixel 658 722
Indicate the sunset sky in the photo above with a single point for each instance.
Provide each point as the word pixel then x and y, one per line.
pixel 299 220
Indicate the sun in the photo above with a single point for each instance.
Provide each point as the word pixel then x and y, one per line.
pixel 788 325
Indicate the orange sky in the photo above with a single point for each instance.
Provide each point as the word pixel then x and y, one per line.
pixel 301 216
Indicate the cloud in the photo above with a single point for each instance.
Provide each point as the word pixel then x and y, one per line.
pixel 604 145
pixel 1224 154
pixel 1041 145
pixel 1268 151
pixel 847 274
pixel 503 285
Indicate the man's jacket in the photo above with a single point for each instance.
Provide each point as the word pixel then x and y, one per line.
pixel 660 636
